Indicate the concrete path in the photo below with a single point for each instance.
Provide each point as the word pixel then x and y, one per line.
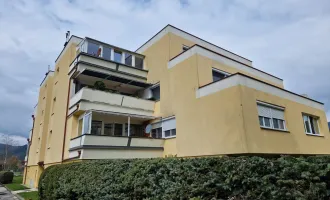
pixel 26 190
pixel 6 195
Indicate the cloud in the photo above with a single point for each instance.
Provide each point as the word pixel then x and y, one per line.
pixel 287 38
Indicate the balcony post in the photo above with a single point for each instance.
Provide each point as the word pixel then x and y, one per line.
pixel 123 57
pixel 112 54
pixel 133 60
pixel 128 126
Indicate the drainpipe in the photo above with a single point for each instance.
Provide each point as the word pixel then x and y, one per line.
pixel 66 114
pixel 28 151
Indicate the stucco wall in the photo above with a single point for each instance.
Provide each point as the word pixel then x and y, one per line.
pixel 269 141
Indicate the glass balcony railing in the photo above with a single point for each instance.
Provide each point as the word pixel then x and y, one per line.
pixel 111 53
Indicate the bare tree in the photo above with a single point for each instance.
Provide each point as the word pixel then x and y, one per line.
pixel 8 142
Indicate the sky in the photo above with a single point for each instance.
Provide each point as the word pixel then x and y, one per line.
pixel 287 38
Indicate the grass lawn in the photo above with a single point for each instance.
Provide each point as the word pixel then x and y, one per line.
pixel 29 195
pixel 16 184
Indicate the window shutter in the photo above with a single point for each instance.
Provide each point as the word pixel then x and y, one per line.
pixel 264 111
pixel 156 125
pixel 169 124
pixel 278 114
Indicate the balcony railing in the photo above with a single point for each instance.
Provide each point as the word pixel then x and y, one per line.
pixel 107 101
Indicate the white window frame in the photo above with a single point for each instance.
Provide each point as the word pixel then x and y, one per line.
pixel 272 107
pixel 83 116
pixel 309 124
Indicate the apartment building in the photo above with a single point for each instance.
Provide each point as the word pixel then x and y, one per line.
pixel 176 95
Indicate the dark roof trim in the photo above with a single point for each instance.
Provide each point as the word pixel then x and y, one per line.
pixel 263 83
pixel 115 147
pixel 66 45
pixel 227 58
pixel 193 36
pixel 115 47
pixel 45 78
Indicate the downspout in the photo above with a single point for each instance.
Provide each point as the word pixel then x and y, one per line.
pixel 29 143
pixel 66 119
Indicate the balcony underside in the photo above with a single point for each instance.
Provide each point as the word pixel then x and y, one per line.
pixel 107 68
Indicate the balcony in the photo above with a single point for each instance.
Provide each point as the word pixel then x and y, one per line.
pixel 91 99
pixel 108 60
pixel 112 136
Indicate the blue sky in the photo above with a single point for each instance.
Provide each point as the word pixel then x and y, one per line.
pixel 287 38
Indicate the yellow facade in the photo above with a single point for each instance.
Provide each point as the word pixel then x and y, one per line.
pixel 211 117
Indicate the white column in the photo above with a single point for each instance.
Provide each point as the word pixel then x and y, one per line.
pixel 112 56
pixel 128 127
pixel 133 60
pixel 123 57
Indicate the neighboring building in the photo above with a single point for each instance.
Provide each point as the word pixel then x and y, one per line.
pixel 198 99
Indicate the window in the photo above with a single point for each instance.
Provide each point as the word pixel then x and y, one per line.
pixel 108 129
pixel 118 131
pixel 156 93
pixel 106 53
pixel 311 125
pixel 185 48
pixel 87 123
pixel 271 116
pixel 128 59
pixel 169 127
pixel 117 56
pixel 157 132
pixel 92 48
pixel 96 127
pixel 138 62
pixel 219 75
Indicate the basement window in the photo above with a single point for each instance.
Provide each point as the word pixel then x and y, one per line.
pixel 311 124
pixel 218 75
pixel 271 117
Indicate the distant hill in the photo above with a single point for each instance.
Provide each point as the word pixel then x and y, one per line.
pixel 329 124
pixel 19 151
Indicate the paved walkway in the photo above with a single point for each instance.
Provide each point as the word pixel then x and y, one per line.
pixel 6 195
pixel 26 190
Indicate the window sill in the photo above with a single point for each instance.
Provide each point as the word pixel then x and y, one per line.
pixel 272 129
pixel 170 137
pixel 309 134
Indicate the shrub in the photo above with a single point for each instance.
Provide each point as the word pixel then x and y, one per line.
pixel 6 177
pixel 189 178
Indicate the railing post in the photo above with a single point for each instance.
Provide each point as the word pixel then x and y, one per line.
pixel 128 127
pixel 133 60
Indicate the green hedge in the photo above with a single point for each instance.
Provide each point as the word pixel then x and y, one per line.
pixel 6 177
pixel 190 178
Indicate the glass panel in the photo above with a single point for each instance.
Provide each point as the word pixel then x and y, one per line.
pixel 135 130
pixel 217 75
pixel 316 127
pixel 118 130
pixel 96 128
pixel 138 62
pixel 128 59
pixel 267 121
pixel 261 121
pixel 173 131
pixel 281 123
pixel 92 48
pixel 154 133
pixel 106 53
pixel 108 129
pixel 87 119
pixel 307 126
pixel 276 123
pixel 117 56
pixel 168 133
pixel 156 93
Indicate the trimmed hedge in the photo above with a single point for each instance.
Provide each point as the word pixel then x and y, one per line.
pixel 190 178
pixel 6 177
